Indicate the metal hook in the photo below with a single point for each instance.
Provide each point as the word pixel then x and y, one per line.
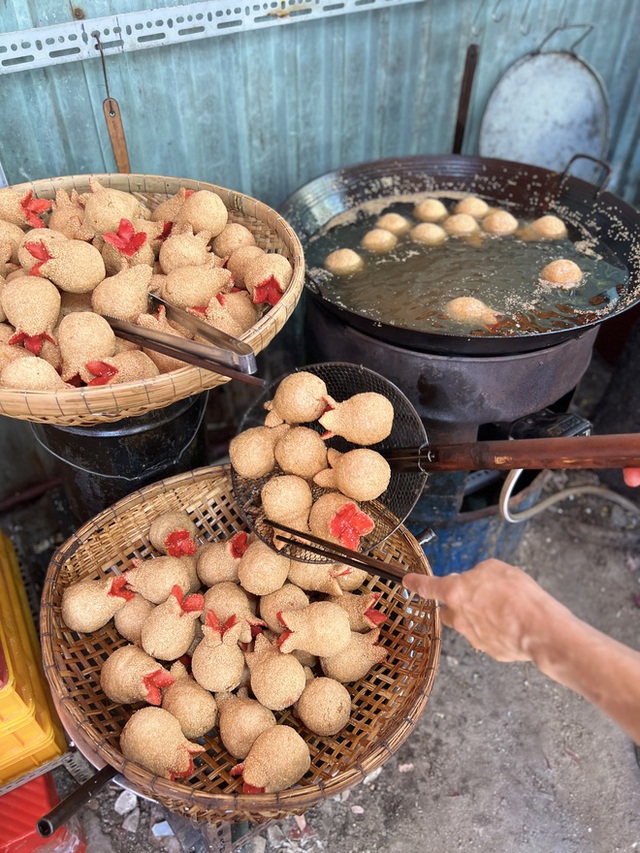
pixel 494 16
pixel 525 30
pixel 475 30
pixel 586 27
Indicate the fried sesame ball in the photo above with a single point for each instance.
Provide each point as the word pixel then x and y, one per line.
pixel 343 262
pixel 361 474
pixel 428 233
pixel 430 210
pixel 325 706
pixel 240 259
pixel 562 273
pixel 549 227
pixel 301 451
pixel 378 240
pixel 262 571
pixel 500 223
pixel 241 721
pixel 251 452
pixel 288 597
pixel 130 618
pixel 299 398
pixel 31 374
pixel 192 706
pixel 460 225
pixel 233 236
pixel 394 222
pixel 287 499
pixel 278 758
pixel 472 206
pixel 468 309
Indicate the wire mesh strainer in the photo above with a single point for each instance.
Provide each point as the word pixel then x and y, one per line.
pixel 343 380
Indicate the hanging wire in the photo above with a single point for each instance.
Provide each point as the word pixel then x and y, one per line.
pixel 96 36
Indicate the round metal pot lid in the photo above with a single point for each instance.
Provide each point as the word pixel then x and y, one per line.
pixel 545 109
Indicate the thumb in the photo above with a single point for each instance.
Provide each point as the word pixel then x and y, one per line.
pixel 426 586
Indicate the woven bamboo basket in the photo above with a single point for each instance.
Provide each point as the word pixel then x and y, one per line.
pixel 105 403
pixel 386 702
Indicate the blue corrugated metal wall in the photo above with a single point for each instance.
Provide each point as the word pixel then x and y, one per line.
pixel 267 110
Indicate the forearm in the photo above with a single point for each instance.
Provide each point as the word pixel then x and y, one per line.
pixel 600 669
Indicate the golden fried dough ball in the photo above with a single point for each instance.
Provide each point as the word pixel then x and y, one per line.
pixel 473 206
pixel 460 225
pixel 325 706
pixel 343 262
pixel 394 222
pixel 365 418
pixel 301 451
pixel 300 398
pixel 428 233
pixel 378 240
pixel 233 236
pixel 468 309
pixel 500 223
pixel 287 499
pixel 361 474
pixel 251 452
pixel 549 227
pixel 562 273
pixel 430 210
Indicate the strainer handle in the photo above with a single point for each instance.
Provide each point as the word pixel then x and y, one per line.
pixel 588 451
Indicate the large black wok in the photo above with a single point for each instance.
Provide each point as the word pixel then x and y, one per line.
pixel 611 226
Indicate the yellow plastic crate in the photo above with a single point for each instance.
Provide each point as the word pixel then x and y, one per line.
pixel 33 735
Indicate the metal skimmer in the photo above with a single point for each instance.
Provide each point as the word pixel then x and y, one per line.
pixel 343 380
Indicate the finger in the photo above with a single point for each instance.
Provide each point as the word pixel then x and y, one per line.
pixel 426 586
pixel 631 476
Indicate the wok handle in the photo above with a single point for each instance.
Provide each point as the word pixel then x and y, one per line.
pixel 52 821
pixel 589 451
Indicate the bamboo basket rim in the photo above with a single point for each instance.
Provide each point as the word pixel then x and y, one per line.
pixel 109 403
pixel 193 801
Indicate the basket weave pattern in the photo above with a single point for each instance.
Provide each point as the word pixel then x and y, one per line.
pixel 385 704
pixel 106 403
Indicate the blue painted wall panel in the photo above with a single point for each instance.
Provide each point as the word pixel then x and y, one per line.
pixel 267 110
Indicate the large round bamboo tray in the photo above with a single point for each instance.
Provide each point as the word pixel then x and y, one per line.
pixel 386 703
pixel 89 406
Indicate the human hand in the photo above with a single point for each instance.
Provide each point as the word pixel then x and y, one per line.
pixel 497 607
pixel 631 476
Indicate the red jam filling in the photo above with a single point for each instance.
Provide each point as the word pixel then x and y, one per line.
pixel 33 343
pixel 119 588
pixel 268 291
pixel 103 373
pixel 153 684
pixel 179 543
pixel 126 240
pixel 32 206
pixel 238 545
pixel 349 524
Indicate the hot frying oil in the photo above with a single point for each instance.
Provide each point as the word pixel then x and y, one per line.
pixel 409 286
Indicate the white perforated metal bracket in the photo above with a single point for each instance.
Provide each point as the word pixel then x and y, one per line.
pixel 73 41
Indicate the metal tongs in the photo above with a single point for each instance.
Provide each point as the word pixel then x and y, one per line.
pixel 222 353
pixel 339 554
